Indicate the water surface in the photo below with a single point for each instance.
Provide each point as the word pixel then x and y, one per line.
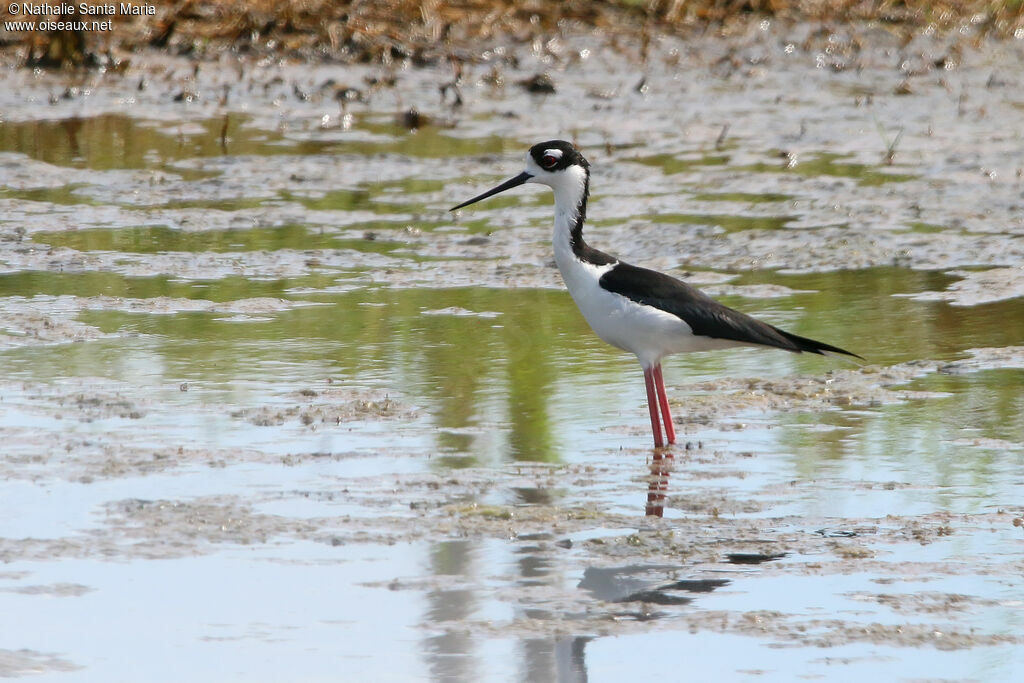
pixel 246 351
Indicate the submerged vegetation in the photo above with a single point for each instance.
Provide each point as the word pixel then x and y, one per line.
pixel 425 31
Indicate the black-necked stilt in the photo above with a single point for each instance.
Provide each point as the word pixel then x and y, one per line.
pixel 635 309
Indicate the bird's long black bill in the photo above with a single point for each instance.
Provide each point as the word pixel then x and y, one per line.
pixel 507 185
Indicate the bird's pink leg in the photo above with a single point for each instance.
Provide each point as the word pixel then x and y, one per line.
pixel 652 405
pixel 659 385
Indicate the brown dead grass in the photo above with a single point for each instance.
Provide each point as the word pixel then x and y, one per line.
pixel 426 31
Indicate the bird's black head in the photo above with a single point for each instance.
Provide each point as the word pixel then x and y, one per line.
pixel 557 155
pixel 555 163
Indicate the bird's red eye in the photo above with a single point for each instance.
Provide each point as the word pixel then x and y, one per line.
pixel 549 161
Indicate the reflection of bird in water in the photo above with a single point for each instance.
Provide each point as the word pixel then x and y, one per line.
pixel 648 313
pixel 644 583
pixel 657 486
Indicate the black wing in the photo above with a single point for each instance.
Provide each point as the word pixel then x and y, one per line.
pixel 705 316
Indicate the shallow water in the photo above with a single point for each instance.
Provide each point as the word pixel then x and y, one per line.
pixel 270 411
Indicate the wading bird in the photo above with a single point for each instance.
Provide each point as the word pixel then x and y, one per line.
pixel 647 313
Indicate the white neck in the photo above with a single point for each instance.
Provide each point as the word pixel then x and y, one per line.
pixel 569 188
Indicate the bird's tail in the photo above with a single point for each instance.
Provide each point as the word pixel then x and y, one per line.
pixel 803 344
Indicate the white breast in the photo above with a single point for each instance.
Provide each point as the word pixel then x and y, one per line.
pixel 646 331
pixel 649 333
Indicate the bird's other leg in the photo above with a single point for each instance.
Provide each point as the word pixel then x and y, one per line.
pixel 659 385
pixel 652 405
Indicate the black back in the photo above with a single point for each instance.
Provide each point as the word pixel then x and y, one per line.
pixel 705 316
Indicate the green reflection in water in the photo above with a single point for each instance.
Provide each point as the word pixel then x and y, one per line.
pixel 831 165
pixel 114 141
pixel 990 402
pixel 370 197
pixel 406 186
pixel 927 228
pixel 454 364
pixel 965 444
pixel 489 383
pixel 117 141
pixel 430 141
pixel 860 310
pixel 671 164
pixel 425 225
pixel 816 165
pixel 743 197
pixel 64 195
pixel 30 283
pixel 361 199
pixel 729 223
pixel 147 239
